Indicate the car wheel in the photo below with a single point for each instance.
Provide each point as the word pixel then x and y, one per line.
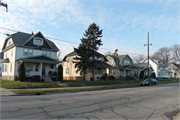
pixel 150 84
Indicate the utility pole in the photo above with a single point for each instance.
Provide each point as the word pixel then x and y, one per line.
pixel 4 5
pixel 148 50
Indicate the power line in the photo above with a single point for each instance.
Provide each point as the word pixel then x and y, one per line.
pixel 68 41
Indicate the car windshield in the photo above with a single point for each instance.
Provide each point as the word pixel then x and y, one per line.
pixel 146 80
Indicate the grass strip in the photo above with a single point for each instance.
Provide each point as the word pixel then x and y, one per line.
pixel 73 89
pixel 8 84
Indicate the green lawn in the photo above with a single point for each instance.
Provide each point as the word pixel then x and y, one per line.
pixel 73 83
pixel 73 89
pixel 8 84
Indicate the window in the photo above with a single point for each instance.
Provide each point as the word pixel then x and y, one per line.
pixel 11 52
pixel 99 58
pixel 4 67
pixel 38 41
pixel 47 53
pixel 11 67
pixel 77 72
pixel 28 52
pixel 126 62
pixel 67 70
pixel 68 59
pixel 90 58
pixel 28 67
pixel 51 66
pixel 36 67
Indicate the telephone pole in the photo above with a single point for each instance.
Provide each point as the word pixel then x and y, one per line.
pixel 148 50
pixel 4 5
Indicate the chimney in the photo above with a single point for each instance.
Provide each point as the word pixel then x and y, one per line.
pixel 115 53
pixel 32 33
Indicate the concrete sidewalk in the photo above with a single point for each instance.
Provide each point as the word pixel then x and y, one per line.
pixel 4 92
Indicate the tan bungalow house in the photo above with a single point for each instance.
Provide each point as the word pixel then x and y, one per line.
pixel 70 72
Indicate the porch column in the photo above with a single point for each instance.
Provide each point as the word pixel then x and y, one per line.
pixel 124 74
pixel 40 71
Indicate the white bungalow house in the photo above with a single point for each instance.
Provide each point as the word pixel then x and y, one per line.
pixel 158 67
pixel 70 72
pixel 38 53
pixel 122 66
pixel 175 69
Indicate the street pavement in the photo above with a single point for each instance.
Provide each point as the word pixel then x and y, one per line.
pixel 147 103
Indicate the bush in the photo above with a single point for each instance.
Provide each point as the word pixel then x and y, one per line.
pixel 103 78
pixel 36 78
pixel 129 78
pixel 153 75
pixel 141 75
pixel 91 79
pixel 112 77
pixel 21 71
pixel 60 73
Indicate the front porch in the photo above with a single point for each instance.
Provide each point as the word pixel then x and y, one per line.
pixel 40 66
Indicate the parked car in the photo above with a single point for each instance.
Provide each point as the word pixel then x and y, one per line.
pixel 149 81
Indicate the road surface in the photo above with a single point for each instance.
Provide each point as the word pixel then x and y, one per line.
pixel 146 103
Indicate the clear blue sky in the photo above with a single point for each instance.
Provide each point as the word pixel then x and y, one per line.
pixel 125 23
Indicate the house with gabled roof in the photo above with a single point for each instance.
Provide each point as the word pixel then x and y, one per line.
pixel 175 70
pixel 71 73
pixel 1 58
pixel 158 67
pixel 122 66
pixel 38 53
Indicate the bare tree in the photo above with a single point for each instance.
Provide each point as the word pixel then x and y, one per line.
pixel 175 53
pixel 163 54
pixel 58 55
pixel 108 53
pixel 138 59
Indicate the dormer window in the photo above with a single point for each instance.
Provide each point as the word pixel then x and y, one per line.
pixel 99 58
pixel 38 41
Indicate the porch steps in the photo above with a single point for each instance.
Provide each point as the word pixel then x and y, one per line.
pixel 47 79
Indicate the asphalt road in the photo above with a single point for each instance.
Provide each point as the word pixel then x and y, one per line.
pixel 146 103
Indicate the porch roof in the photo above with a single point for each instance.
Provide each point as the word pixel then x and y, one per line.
pixel 5 60
pixel 103 65
pixel 129 67
pixel 39 59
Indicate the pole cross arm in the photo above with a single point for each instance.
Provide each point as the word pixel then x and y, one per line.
pixel 5 5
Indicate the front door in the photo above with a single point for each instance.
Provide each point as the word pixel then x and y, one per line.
pixel 43 69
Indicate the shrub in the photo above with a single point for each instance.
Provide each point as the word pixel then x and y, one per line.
pixel 153 75
pixel 112 77
pixel 91 79
pixel 129 78
pixel 21 71
pixel 60 73
pixel 141 75
pixel 36 78
pixel 103 78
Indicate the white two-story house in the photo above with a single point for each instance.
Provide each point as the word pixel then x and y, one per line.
pixel 158 67
pixel 175 70
pixel 38 53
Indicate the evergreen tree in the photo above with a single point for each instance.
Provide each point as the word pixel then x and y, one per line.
pixel 87 49
pixel 21 71
pixel 60 73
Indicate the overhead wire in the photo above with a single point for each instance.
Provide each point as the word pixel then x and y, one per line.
pixel 72 42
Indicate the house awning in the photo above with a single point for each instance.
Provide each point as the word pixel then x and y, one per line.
pixel 5 60
pixel 39 59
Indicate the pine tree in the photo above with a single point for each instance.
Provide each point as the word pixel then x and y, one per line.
pixel 87 49
pixel 21 71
